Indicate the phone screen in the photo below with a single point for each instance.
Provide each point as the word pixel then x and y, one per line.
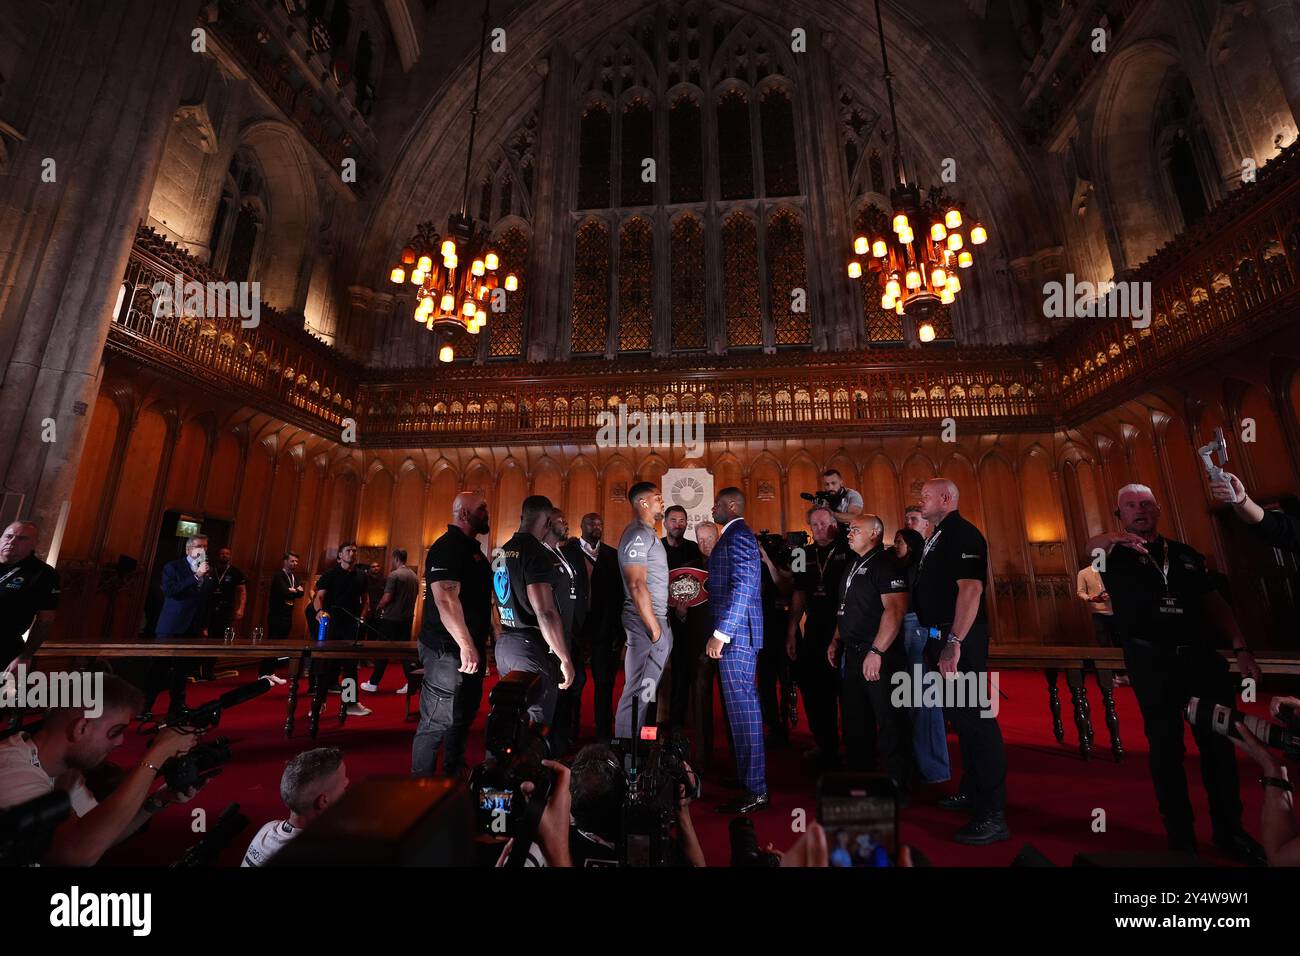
pixel 860 815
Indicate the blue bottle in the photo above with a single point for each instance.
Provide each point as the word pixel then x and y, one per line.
pixel 322 625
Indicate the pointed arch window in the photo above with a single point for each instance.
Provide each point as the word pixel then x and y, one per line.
pixel 735 159
pixel 635 285
pixel 787 278
pixel 506 329
pixel 686 173
pixel 590 311
pixel 688 332
pixel 780 166
pixel 638 146
pixel 594 153
pixel 741 304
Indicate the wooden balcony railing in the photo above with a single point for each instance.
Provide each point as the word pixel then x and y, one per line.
pixel 1233 276
pixel 278 365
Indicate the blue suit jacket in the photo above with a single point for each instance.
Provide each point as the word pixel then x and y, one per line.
pixel 736 586
pixel 186 599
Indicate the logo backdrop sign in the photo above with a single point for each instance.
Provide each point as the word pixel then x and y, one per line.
pixel 692 489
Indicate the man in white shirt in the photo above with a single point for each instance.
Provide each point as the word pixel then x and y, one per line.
pixel 67 745
pixel 312 782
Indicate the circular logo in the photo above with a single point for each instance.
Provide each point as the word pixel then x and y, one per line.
pixel 501 584
pixel 687 492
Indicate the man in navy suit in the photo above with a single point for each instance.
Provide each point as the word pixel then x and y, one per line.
pixel 735 594
pixel 187 587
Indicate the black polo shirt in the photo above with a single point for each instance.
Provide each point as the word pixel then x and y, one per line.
pixel 344 591
pixel 524 561
pixel 1146 608
pixel 225 592
pixel 685 555
pixel 860 605
pixel 820 581
pixel 564 582
pixel 955 552
pixel 27 587
pixel 457 557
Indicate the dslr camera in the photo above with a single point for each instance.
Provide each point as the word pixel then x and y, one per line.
pixel 654 768
pixel 1223 720
pixel 515 751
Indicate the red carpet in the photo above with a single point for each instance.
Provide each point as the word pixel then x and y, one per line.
pixel 1053 792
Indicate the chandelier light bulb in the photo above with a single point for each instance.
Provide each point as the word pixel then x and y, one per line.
pixel 855 269
pixel 978 235
pixel 512 283
pixel 451 261
pixel 893 289
pixel 964 259
pixel 417 277
pixel 448 248
pixel 938 278
pixel 898 306
pixel 446 353
pixel 477 267
pixel 947 296
pixel 424 264
pixel 481 318
pixel 492 261
pixel 468 308
pixel 900 222
pixel 878 249
pixel 937 232
pixel 448 303
pixel 953 219
pixel 913 279
pixel 954 285
pixel 398 275
pixel 408 256
pixel 926 332
pixel 886 301
pixel 907 236
pixel 860 245
pixel 954 241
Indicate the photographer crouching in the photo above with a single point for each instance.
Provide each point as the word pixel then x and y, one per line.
pixel 70 744
pixel 1277 826
pixel 586 820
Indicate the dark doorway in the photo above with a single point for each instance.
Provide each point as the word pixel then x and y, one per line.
pixel 176 527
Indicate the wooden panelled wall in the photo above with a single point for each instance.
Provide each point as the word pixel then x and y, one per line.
pixel 1037 497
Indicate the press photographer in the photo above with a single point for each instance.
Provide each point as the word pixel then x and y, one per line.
pixel 843 502
pixel 69 745
pixel 1259 739
pixel 600 804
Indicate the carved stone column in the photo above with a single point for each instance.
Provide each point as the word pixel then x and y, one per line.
pixel 68 240
pixel 1281 22
pixel 551 199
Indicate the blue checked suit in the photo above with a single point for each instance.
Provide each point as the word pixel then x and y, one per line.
pixel 735 597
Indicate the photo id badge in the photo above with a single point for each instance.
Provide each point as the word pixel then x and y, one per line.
pixel 1170 606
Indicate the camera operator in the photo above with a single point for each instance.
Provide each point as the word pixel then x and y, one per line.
pixel 1278 528
pixel 816 593
pixel 532 629
pixel 844 502
pixel 1277 823
pixel 70 744
pixel 312 782
pixel 582 821
pixel 1166 616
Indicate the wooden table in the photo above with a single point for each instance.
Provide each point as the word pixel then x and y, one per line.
pixel 242 648
pixel 1103 662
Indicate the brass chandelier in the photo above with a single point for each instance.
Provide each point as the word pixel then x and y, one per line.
pixel 917 274
pixel 456 272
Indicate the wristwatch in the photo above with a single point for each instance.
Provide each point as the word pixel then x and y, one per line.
pixel 1279 782
pixel 875 650
pixel 954 639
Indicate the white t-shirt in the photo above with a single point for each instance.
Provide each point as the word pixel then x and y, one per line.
pixel 269 841
pixel 22 777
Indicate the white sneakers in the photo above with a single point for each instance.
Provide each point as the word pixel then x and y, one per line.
pixel 276 680
pixel 404 689
pixel 369 688
pixel 358 710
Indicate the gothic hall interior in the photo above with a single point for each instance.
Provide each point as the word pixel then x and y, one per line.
pixel 315 281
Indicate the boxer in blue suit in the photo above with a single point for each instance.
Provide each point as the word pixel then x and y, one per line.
pixel 735 595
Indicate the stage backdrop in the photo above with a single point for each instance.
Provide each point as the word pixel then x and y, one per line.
pixel 692 488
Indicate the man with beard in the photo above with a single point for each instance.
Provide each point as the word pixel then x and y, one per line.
pixel 644 563
pixel 453 637
pixel 602 630
pixel 342 597
pixel 29 592
pixel 816 593
pixel 690 625
pixel 570 585
pixel 1167 615
pixel 229 595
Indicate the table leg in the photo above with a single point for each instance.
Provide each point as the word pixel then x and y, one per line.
pixel 1054 702
pixel 1079 695
pixel 295 671
pixel 1106 683
pixel 318 698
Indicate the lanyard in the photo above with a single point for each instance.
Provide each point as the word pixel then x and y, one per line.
pixel 289 576
pixel 853 575
pixel 568 569
pixel 15 570
pixel 934 538
pixel 1164 571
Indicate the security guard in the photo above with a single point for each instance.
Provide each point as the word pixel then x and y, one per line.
pixel 29 591
pixel 817 594
pixel 948 594
pixel 872 602
pixel 1167 612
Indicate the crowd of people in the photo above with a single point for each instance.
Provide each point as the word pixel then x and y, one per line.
pixel 844 617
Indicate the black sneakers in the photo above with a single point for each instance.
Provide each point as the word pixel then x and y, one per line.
pixel 984 830
pixel 956 801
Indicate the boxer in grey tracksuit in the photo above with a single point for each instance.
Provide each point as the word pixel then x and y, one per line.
pixel 644 564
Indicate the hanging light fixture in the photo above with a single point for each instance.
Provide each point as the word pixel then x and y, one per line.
pixel 917 257
pixel 455 272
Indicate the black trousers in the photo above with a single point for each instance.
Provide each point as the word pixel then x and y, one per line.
pixel 871 722
pixel 690 637
pixel 568 707
pixel 1163 679
pixel 774 677
pixel 606 664
pixel 391 631
pixel 449 702
pixel 983 756
pixel 820 684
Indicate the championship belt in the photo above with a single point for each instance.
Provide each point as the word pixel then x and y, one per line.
pixel 687 584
